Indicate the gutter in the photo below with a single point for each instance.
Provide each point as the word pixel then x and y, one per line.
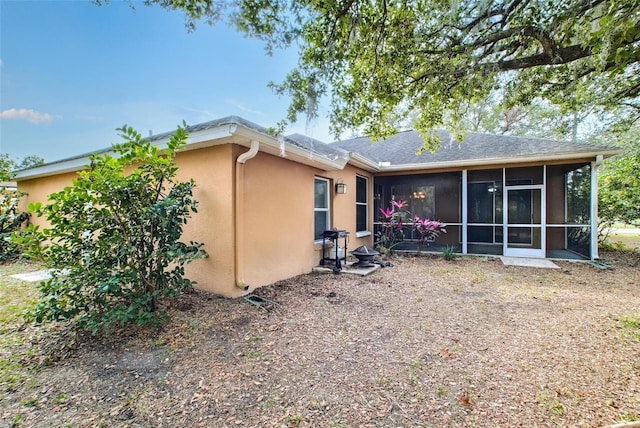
pixel 239 214
pixel 365 163
pixel 271 145
pixel 237 132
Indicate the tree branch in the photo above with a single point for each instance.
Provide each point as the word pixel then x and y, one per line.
pixel 560 56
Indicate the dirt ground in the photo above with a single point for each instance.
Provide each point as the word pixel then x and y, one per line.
pixel 425 343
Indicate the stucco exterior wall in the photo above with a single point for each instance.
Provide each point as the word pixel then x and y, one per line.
pixel 212 170
pixel 38 190
pixel 344 205
pixel 277 239
pixel 276 217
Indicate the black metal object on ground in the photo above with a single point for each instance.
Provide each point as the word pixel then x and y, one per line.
pixel 334 235
pixel 365 256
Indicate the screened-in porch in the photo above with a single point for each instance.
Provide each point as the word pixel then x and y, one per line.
pixel 533 211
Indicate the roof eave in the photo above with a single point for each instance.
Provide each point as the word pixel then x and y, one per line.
pixel 363 162
pixel 196 140
pixel 200 139
pixel 272 145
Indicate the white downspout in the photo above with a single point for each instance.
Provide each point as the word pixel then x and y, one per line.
pixel 239 213
pixel 594 207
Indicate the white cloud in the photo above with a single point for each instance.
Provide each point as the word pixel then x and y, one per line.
pixel 1 63
pixel 27 114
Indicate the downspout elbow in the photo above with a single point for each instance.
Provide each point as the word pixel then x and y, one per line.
pixel 239 214
pixel 249 154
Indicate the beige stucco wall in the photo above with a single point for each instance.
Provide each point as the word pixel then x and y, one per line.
pixel 344 206
pixel 277 233
pixel 275 217
pixel 39 189
pixel 212 170
pixel 278 217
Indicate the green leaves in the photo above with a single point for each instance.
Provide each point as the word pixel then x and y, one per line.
pixel 8 165
pixel 11 220
pixel 114 241
pixel 619 196
pixel 383 62
pixel 619 180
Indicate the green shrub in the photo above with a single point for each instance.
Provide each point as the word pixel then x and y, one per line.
pixel 449 253
pixel 11 220
pixel 114 242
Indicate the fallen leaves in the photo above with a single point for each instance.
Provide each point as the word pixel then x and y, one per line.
pixel 348 351
pixel 445 353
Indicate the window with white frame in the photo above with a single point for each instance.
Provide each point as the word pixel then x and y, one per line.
pixel 321 217
pixel 361 204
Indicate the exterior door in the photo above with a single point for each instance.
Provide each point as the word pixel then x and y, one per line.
pixel 523 221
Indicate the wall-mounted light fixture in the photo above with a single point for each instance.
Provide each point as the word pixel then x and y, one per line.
pixel 341 188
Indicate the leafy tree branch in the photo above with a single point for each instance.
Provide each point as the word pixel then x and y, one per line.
pixel 380 60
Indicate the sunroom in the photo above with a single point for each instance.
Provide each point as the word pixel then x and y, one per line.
pixel 548 211
pixel 498 195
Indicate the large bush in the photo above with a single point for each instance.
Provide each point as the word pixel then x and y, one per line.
pixel 113 245
pixel 619 194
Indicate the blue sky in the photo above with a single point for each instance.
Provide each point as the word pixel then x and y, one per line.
pixel 72 72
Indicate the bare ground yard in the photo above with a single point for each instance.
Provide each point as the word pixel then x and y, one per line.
pixel 426 343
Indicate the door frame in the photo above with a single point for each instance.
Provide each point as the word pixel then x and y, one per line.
pixel 524 252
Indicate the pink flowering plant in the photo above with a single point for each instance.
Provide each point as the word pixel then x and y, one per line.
pixel 396 221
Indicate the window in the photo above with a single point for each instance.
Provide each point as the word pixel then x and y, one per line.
pixel 420 197
pixel 320 207
pixel 361 204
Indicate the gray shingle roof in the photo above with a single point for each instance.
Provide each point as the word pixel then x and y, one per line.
pixel 298 140
pixel 400 149
pixel 228 120
pixel 316 146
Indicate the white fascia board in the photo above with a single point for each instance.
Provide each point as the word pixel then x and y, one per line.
pixel 60 167
pixel 362 162
pixel 495 161
pixel 222 134
pixel 205 138
pixel 271 145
